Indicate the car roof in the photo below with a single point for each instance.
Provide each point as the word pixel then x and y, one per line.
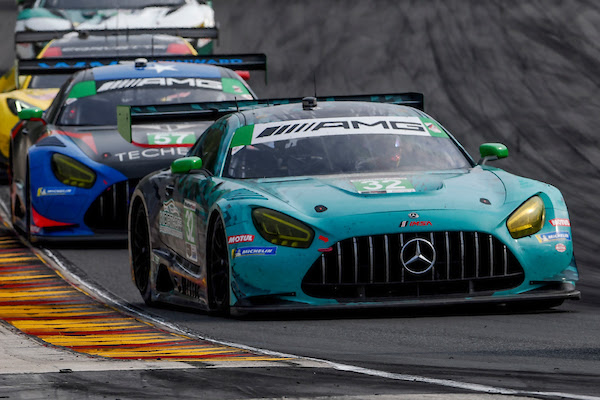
pixel 326 109
pixel 161 69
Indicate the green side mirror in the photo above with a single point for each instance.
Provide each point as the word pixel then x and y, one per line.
pixel 492 151
pixel 185 165
pixel 29 113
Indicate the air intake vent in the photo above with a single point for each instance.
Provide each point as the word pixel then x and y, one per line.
pixel 109 211
pixel 452 263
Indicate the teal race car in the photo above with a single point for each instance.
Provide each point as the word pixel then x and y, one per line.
pixel 360 202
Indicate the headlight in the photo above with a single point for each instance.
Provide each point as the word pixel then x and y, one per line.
pixel 527 219
pixel 15 106
pixel 280 229
pixel 71 172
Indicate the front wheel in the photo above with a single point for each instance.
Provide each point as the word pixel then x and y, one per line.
pixel 141 252
pixel 218 269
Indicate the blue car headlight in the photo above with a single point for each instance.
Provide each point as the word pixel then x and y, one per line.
pixel 527 219
pixel 281 229
pixel 71 172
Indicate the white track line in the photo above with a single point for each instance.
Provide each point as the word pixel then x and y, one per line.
pixel 99 294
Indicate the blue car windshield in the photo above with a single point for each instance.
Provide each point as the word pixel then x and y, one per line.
pixel 101 108
pixel 344 154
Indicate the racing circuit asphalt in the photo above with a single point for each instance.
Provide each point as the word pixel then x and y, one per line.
pixel 524 73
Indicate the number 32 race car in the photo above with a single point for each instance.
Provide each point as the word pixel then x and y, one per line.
pixel 340 204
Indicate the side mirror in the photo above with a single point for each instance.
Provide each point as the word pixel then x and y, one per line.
pixel 492 151
pixel 185 165
pixel 31 113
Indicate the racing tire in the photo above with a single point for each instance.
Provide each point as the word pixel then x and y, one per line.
pixel 218 285
pixel 141 253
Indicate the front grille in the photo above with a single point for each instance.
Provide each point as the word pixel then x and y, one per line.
pixel 109 211
pixel 466 263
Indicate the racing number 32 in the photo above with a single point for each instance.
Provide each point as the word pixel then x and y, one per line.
pixel 387 185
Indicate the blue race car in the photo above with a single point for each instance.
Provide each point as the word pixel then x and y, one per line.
pixel 341 204
pixel 72 173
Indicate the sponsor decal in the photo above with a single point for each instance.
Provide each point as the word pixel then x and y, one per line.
pixel 405 224
pixel 560 247
pixel 548 237
pixel 296 129
pixel 191 252
pixel 170 222
pixel 151 153
pixel 255 251
pixel 189 205
pixel 55 191
pixel 383 185
pixel 560 222
pixel 240 239
pixel 104 86
pixel 432 127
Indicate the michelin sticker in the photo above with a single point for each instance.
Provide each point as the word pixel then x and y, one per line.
pixel 255 251
pixel 170 220
pixel 53 191
pixel 549 237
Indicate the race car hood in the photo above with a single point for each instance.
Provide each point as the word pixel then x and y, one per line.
pixel 106 146
pixel 353 194
pixel 471 199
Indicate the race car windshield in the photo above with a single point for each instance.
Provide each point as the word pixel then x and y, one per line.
pixel 344 154
pixel 101 108
pixel 109 4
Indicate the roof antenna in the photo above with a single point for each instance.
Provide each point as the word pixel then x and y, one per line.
pixel 237 106
pixel 315 83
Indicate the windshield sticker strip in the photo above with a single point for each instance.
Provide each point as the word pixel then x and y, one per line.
pixel 276 131
pixel 104 86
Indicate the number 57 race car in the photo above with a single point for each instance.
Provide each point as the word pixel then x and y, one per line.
pixel 71 172
pixel 342 203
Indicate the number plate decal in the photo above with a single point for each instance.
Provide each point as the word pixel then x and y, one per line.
pixel 383 185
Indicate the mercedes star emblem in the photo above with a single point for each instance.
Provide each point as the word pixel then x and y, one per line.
pixel 417 256
pixel 413 215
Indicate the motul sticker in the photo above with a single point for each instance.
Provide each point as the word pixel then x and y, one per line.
pixel 240 239
pixel 560 222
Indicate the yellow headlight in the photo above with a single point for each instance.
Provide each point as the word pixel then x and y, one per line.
pixel 527 219
pixel 281 229
pixel 71 172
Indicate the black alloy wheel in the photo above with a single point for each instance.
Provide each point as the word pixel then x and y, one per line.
pixel 218 269
pixel 141 252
